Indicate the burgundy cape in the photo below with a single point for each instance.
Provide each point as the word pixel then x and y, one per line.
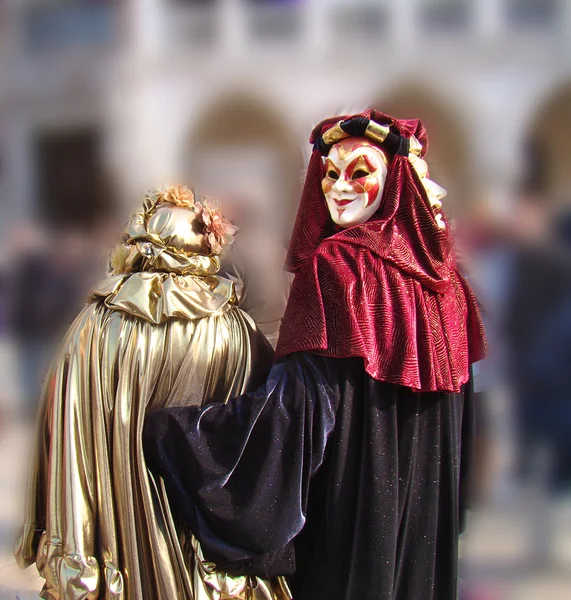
pixel 389 290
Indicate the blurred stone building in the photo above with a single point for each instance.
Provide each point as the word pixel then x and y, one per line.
pixel 100 99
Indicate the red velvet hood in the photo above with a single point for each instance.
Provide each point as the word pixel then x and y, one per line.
pixel 388 290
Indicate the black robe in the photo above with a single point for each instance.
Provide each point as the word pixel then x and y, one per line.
pixel 358 478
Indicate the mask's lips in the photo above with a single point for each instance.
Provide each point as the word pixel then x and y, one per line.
pixel 344 202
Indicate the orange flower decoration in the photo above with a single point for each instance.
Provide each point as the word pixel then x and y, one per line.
pixel 179 195
pixel 218 231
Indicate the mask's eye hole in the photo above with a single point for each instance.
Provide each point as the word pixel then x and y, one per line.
pixel 332 174
pixel 359 173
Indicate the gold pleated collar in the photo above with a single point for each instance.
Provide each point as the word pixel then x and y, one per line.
pixel 159 296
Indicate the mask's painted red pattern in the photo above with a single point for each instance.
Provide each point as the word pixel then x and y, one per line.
pixel 359 185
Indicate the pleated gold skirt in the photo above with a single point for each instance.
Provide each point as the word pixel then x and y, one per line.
pixel 98 525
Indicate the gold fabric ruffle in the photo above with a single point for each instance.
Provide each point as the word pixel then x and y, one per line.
pixel 210 583
pixel 98 525
pixel 157 297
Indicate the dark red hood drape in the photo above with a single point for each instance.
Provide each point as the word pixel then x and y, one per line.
pixel 388 290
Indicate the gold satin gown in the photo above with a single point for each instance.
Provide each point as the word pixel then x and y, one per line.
pixel 98 525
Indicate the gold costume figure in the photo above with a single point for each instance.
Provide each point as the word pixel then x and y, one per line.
pixel 162 330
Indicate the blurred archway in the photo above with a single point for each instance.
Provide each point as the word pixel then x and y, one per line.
pixel 243 150
pixel 547 149
pixel 241 147
pixel 449 158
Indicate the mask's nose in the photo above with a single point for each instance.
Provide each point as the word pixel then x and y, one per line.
pixel 342 187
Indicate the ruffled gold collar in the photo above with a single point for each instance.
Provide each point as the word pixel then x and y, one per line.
pixel 159 296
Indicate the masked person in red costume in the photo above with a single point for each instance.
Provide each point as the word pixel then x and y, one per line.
pixel 345 471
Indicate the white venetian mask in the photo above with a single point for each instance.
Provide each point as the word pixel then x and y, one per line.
pixel 355 175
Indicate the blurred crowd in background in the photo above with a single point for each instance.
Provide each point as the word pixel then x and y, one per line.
pixel 102 99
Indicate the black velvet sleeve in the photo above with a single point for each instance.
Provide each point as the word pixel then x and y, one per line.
pixel 238 474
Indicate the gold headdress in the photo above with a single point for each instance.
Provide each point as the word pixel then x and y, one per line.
pixel 173 233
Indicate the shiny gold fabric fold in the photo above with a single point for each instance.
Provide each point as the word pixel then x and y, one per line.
pixel 159 296
pixel 98 525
